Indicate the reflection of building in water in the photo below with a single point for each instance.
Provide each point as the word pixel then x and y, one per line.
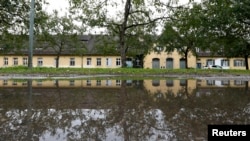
pixel 178 86
pixel 109 83
pixel 170 85
pixel 221 83
pixel 175 86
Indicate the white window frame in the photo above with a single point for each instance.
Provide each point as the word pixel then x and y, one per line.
pixel 98 61
pixel 72 62
pixel 25 61
pixel 39 62
pixel 6 61
pixel 225 62
pixel 89 61
pixel 239 63
pixel 15 61
pixel 118 61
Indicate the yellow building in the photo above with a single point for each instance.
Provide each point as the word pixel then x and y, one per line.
pixel 92 55
pixel 71 83
pixel 174 86
pixel 83 54
pixel 65 61
pixel 226 63
pixel 165 60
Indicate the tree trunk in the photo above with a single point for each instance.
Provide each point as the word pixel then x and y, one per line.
pixel 186 58
pixel 122 50
pixel 122 33
pixel 57 61
pixel 246 62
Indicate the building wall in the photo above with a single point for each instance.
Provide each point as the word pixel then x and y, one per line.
pixel 222 83
pixel 64 61
pixel 41 83
pixel 11 60
pixel 234 63
pixel 170 85
pixel 162 56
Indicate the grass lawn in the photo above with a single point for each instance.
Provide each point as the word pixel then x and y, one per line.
pixel 118 71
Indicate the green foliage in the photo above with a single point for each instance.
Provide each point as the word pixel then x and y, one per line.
pixel 228 25
pixel 14 15
pixel 128 19
pixel 182 33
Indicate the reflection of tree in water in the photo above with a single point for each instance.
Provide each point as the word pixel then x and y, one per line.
pixel 129 113
pixel 135 115
pixel 81 114
pixel 189 114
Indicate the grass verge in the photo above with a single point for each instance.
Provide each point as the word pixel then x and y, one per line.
pixel 117 71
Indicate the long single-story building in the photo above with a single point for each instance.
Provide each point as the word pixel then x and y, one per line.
pixel 94 52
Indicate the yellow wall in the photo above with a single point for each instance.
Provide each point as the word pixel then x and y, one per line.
pixel 203 61
pixel 176 87
pixel 164 55
pixel 62 83
pixel 64 61
pixel 222 83
pixel 154 87
pixel 10 60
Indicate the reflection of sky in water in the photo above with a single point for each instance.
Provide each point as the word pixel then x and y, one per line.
pixel 111 133
pixel 164 109
pixel 114 132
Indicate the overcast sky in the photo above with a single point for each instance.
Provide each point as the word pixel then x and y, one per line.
pixel 61 5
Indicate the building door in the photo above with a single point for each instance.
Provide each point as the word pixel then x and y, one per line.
pixel 198 65
pixel 156 63
pixel 182 63
pixel 169 63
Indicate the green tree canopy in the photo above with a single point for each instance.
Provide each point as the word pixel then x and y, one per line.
pixel 121 18
pixel 228 25
pixel 182 33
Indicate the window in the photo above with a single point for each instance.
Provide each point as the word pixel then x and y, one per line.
pixel 108 82
pixel 210 82
pixel 15 61
pixel 88 82
pixel 72 62
pixel 183 82
pixel 98 61
pixel 25 83
pixel 108 61
pixel 169 82
pixel 5 82
pixel 118 82
pixel 25 61
pixel 98 83
pixel 156 82
pixel 14 83
pixel 39 82
pixel 239 82
pixel 239 63
pixel 40 62
pixel 71 82
pixel 210 62
pixel 5 61
pixel 118 61
pixel 88 61
pixel 225 82
pixel 224 62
